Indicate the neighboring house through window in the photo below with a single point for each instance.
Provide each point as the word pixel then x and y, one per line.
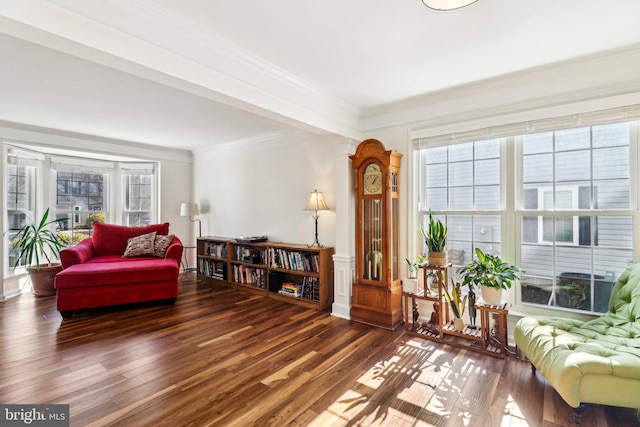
pixel 565 216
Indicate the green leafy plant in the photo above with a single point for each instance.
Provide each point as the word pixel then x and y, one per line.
pixel 35 242
pixel 412 266
pixel 435 236
pixel 489 270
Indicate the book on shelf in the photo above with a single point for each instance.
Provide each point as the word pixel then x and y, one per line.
pixel 295 289
pixel 294 260
pixel 311 288
pixel 212 268
pixel 215 249
pixel 249 275
pixel 250 255
pixel 308 289
pixel 289 294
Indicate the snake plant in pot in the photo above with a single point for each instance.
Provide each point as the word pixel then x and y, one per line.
pixel 491 273
pixel 37 245
pixel 435 238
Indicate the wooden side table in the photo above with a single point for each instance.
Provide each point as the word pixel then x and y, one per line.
pixel 496 342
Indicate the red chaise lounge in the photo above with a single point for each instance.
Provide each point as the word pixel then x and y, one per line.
pixel 119 265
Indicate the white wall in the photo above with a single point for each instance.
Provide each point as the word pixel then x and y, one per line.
pixel 175 184
pixel 262 188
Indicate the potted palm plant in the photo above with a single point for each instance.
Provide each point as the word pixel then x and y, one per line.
pixel 435 238
pixel 491 273
pixel 36 244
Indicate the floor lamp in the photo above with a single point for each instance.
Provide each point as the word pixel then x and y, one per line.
pixel 190 209
pixel 316 203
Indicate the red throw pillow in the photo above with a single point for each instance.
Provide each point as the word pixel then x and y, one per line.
pixel 111 239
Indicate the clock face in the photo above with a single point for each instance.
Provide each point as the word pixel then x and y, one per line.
pixel 372 179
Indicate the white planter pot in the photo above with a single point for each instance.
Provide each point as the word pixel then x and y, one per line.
pixel 410 285
pixel 491 296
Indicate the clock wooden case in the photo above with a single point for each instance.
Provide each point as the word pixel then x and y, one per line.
pixel 377 290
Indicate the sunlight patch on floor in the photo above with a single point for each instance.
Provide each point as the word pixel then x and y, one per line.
pixel 413 373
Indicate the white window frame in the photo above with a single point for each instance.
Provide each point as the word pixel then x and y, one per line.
pixel 128 169
pixel 44 189
pixel 511 167
pixel 541 219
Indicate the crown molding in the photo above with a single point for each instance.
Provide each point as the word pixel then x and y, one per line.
pixel 168 50
pixel 609 74
pixel 23 133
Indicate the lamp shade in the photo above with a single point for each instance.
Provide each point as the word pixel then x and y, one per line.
pixel 189 209
pixel 447 4
pixel 316 202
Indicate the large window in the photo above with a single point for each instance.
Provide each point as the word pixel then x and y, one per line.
pixel 78 190
pixel 576 223
pixel 138 182
pixel 462 188
pixel 21 176
pixel 563 205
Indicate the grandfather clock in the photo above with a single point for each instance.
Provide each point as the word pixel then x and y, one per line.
pixel 377 290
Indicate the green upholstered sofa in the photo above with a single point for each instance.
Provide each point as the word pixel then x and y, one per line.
pixel 590 362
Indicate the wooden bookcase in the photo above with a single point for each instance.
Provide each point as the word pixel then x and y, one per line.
pixel 484 338
pixel 288 272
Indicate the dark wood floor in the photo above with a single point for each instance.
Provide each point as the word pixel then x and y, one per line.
pixel 222 357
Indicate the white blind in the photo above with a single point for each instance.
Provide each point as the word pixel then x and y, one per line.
pixel 613 115
pixel 17 156
pixel 138 168
pixel 78 164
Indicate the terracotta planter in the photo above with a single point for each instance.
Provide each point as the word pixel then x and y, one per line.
pixel 42 280
pixel 491 296
pixel 437 258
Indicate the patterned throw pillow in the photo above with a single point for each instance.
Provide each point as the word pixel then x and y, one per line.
pixel 161 245
pixel 140 245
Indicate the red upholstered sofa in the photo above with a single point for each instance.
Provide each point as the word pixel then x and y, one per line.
pixel 96 274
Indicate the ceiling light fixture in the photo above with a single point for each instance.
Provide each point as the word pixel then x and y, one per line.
pixel 447 4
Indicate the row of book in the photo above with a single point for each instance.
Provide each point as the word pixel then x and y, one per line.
pixel 309 289
pixel 250 275
pixel 277 257
pixel 211 268
pixel 250 255
pixel 294 260
pixel 215 249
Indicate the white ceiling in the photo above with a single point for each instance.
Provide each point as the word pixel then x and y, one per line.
pixel 204 72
